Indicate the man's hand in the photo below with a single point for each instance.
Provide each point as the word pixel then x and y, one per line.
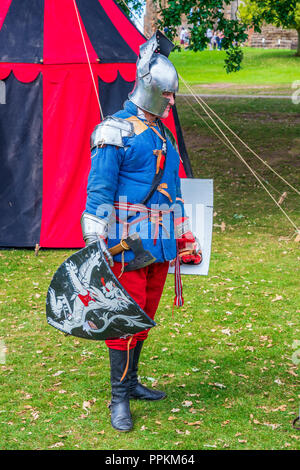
pixel 189 249
pixel 188 245
pixel 96 229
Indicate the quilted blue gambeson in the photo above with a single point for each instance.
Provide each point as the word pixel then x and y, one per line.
pixel 124 175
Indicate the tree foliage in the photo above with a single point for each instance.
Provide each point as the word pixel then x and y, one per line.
pixel 202 15
pixel 281 13
pixel 132 7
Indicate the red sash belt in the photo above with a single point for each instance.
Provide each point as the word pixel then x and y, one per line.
pixel 154 215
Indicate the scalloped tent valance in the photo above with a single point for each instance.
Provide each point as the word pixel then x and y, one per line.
pixel 27 73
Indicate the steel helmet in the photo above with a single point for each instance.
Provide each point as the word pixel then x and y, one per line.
pixel 155 75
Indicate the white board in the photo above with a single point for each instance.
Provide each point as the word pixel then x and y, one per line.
pixel 198 202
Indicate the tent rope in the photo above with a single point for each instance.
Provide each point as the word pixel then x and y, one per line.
pixel 224 142
pixel 240 156
pixel 240 140
pixel 88 59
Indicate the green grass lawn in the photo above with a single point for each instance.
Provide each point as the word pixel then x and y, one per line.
pixel 264 71
pixel 227 359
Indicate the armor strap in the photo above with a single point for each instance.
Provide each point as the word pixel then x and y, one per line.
pixel 160 162
pixel 150 125
pixel 162 189
pixel 127 362
pixel 163 156
pixel 154 215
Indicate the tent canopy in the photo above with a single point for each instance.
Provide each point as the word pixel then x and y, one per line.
pixel 50 109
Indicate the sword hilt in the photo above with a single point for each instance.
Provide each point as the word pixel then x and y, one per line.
pixel 122 246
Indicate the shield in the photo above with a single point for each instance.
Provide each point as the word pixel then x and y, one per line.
pixel 85 299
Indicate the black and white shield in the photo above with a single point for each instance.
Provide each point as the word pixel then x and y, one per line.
pixel 85 299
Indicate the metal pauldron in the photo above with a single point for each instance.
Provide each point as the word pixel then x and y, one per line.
pixel 111 131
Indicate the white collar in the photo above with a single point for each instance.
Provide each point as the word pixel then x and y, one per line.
pixel 141 114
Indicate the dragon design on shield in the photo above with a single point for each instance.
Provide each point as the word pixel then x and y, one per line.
pixel 86 300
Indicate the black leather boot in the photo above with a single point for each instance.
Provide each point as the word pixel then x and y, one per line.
pixel 119 406
pixel 137 390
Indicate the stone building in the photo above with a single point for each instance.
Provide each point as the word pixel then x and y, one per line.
pixel 270 37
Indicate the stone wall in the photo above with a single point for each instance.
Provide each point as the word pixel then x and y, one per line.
pixel 274 38
pixel 270 37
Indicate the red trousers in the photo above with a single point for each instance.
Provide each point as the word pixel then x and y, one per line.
pixel 145 286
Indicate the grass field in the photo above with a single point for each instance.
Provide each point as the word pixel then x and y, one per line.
pixel 228 360
pixel 264 71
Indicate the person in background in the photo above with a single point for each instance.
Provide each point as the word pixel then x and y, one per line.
pixel 209 35
pixel 220 39
pixel 182 36
pixel 186 40
pixel 214 40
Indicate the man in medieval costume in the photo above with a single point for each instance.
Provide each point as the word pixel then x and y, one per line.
pixel 134 186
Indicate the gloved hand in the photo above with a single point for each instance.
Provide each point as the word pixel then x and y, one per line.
pixel 188 245
pixel 96 229
pixel 189 249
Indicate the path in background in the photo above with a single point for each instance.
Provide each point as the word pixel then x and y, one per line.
pixel 236 96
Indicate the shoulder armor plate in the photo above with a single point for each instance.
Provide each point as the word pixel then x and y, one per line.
pixel 111 132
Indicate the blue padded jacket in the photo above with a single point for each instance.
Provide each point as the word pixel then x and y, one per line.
pixel 125 174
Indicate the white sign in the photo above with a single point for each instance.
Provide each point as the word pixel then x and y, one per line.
pixel 198 203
